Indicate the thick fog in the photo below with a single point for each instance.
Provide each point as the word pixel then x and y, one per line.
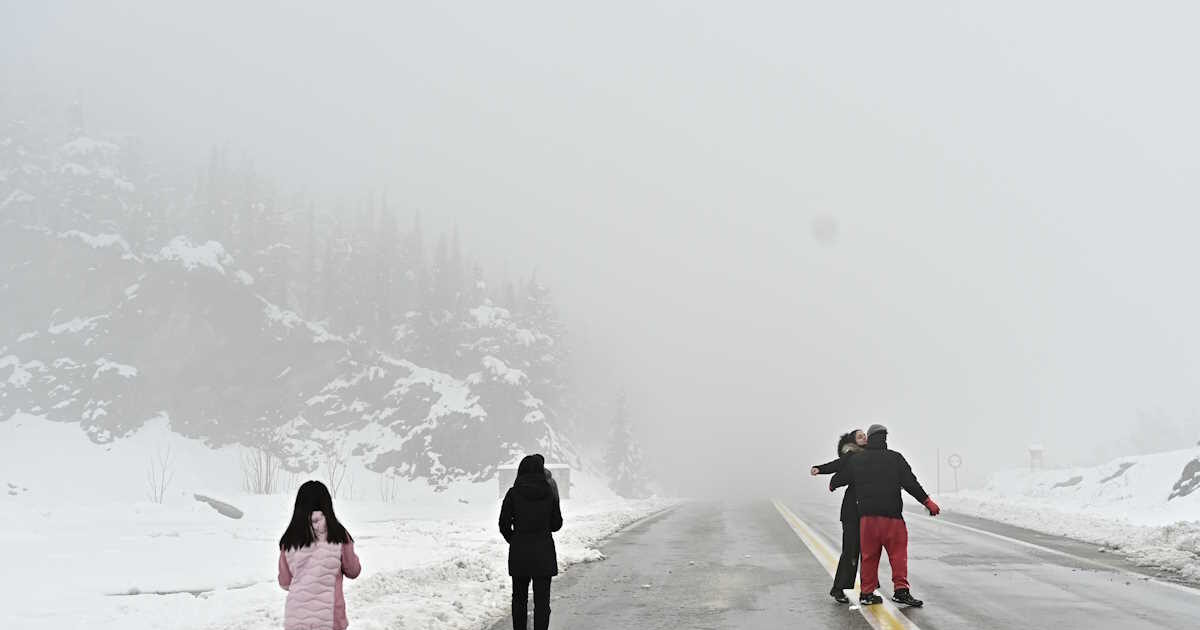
pixel 767 223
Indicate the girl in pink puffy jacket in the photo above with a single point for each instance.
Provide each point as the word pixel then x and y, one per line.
pixel 315 553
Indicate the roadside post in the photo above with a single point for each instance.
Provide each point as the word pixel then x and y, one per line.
pixel 954 461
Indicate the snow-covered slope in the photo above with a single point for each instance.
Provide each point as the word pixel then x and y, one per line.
pixel 90 550
pixel 1147 506
pixel 246 319
pixel 181 333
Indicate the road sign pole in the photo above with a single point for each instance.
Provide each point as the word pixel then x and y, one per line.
pixel 954 461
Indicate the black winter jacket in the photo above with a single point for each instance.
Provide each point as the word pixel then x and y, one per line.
pixel 849 512
pixel 529 514
pixel 877 475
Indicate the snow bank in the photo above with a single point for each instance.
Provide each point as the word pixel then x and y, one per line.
pixel 1137 489
pixel 95 553
pixel 63 469
pixel 1131 504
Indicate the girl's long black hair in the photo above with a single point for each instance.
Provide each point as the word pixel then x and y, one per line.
pixel 312 496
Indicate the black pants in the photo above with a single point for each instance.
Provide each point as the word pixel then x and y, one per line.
pixel 847 568
pixel 541 602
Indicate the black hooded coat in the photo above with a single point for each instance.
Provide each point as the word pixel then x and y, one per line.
pixel 878 474
pixel 529 514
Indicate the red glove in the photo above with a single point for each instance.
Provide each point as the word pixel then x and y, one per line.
pixel 933 508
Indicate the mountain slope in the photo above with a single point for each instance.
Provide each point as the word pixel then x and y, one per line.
pixel 114 315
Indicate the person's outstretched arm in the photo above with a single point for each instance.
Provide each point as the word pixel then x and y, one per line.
pixel 506 518
pixel 828 468
pixel 909 482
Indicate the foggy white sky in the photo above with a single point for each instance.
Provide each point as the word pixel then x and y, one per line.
pixel 1014 185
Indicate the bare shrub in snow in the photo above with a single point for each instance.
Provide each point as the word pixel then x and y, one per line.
pixel 389 488
pixel 290 481
pixel 335 469
pixel 260 471
pixel 160 473
pixel 349 486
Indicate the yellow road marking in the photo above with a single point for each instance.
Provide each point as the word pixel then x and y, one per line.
pixel 883 616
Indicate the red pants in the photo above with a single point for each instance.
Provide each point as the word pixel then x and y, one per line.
pixel 878 533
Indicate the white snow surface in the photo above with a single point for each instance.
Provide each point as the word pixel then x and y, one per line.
pixel 94 552
pixel 76 325
pixel 454 396
pixel 211 255
pixel 500 370
pixel 78 170
pixel 84 146
pixel 1121 505
pixel 98 241
pixel 16 197
pixel 289 319
pixel 104 365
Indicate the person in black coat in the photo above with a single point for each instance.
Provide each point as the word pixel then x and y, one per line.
pixel 528 516
pixel 847 446
pixel 878 474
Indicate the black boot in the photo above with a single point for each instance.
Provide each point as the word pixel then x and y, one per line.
pixel 902 596
pixel 839 595
pixel 869 599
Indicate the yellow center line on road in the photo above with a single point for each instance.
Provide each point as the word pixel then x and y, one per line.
pixel 883 616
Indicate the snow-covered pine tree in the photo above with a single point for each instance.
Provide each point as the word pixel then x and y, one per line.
pixel 334 270
pixel 272 255
pixel 623 459
pixel 387 243
pixel 544 352
pixel 311 269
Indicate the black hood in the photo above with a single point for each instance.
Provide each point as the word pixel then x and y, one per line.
pixel 878 441
pixel 531 478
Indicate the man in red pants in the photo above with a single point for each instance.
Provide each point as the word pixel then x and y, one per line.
pixel 878 474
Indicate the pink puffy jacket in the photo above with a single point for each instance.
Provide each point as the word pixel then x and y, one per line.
pixel 312 576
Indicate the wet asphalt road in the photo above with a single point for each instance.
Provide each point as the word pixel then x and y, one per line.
pixel 740 566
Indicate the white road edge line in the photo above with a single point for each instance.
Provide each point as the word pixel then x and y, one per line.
pixel 1139 576
pixel 885 616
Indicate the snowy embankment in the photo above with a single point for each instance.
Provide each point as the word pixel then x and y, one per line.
pixel 88 549
pixel 1146 507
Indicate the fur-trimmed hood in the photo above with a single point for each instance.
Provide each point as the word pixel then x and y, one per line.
pixel 849 448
